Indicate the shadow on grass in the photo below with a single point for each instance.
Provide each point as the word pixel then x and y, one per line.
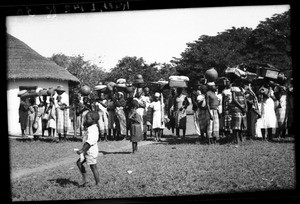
pixel 104 152
pixel 49 139
pixel 64 182
pixel 277 140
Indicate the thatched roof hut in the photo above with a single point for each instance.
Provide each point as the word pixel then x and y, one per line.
pixel 28 70
pixel 25 63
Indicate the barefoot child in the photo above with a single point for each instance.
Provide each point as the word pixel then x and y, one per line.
pixel 90 147
pixel 135 126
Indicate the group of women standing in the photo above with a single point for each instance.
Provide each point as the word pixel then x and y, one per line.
pixel 238 109
pixel 53 116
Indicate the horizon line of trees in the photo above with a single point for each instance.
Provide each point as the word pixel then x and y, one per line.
pixel 268 43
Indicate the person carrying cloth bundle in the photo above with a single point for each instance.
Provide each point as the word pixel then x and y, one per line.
pixel 212 103
pixel 180 105
pixel 238 110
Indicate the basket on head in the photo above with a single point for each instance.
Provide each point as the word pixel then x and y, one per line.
pixel 60 90
pixel 85 90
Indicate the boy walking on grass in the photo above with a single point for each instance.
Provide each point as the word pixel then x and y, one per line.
pixel 90 147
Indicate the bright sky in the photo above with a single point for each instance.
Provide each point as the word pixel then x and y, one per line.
pixel 155 35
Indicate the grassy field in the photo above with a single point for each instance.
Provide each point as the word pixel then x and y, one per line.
pixel 169 168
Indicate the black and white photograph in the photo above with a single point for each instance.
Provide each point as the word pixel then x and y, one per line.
pixel 154 103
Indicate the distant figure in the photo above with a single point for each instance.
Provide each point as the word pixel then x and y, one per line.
pixel 62 124
pixel 238 110
pixel 136 124
pixel 212 102
pixel 43 106
pixel 52 118
pixel 101 108
pixel 171 113
pixel 158 123
pixel 23 114
pixel 180 106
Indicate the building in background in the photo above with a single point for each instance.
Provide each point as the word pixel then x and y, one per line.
pixel 27 69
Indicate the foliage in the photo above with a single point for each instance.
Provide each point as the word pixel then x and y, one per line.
pixel 268 43
pixel 225 49
pixel 87 73
pixel 129 67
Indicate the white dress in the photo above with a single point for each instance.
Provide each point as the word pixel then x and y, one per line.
pixel 268 117
pixel 157 115
pixel 259 123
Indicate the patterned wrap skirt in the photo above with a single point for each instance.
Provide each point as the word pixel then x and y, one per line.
pixel 180 119
pixel 238 121
pixel 121 120
pixel 103 122
pixel 111 119
pixel 213 127
pixel 203 119
pixel 61 121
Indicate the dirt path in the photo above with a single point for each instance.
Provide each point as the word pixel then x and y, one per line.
pixel 67 160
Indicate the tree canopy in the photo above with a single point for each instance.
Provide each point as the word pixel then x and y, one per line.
pixel 268 43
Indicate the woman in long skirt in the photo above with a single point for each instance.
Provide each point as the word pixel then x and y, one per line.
pixel 30 120
pixel 52 118
pixel 269 120
pixel 212 103
pixel 136 123
pixel 171 113
pixel 62 123
pixel 101 106
pixel 112 118
pixel 180 106
pixel 238 109
pixel 120 105
pixel 23 114
pixel 203 112
pixel 158 123
pixel 281 111
pixel 43 106
pixel 227 98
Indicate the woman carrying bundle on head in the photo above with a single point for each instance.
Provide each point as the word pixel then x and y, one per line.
pixel 120 104
pixel 180 106
pixel 212 103
pixel 238 110
pixel 62 122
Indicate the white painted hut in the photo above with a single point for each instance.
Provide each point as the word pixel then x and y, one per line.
pixel 27 69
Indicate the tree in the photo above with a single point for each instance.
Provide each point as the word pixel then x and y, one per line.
pixel 129 67
pixel 87 73
pixel 270 42
pixel 220 51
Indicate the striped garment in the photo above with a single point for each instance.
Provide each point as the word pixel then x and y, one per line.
pixel 238 119
pixel 213 127
pixel 61 120
pixel 203 118
pixel 180 119
pixel 226 119
pixel 120 114
pixel 282 112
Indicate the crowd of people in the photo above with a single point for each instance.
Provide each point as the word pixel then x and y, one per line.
pixel 234 110
pixel 243 108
